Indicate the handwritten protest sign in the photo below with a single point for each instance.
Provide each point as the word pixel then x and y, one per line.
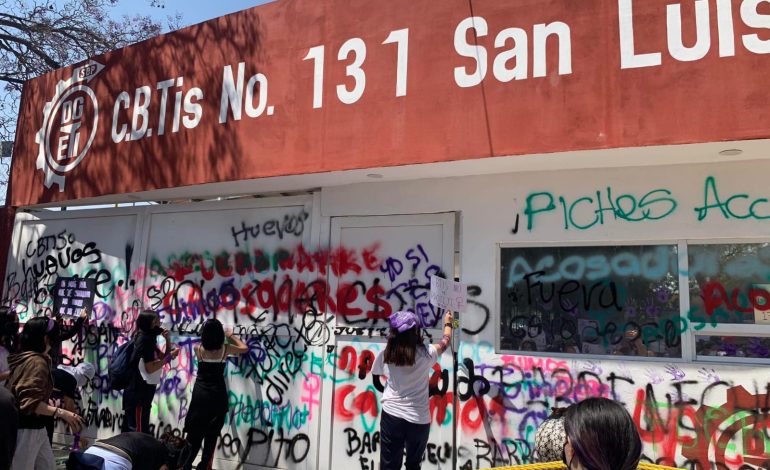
pixel 72 295
pixel 448 294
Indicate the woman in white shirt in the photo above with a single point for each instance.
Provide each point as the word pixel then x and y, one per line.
pixel 405 416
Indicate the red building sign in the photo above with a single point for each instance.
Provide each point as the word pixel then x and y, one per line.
pixel 299 87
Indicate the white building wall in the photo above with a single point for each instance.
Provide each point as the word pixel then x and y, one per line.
pixel 326 415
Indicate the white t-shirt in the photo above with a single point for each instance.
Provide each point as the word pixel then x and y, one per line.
pixel 406 391
pixel 151 378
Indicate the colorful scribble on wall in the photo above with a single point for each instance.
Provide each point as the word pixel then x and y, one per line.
pixel 314 319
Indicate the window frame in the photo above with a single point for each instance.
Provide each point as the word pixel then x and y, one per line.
pixel 724 329
pixel 688 347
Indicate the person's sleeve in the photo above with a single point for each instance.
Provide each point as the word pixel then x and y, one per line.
pixel 144 348
pixel 378 367
pixel 148 351
pixel 32 387
pixel 69 333
pixel 65 383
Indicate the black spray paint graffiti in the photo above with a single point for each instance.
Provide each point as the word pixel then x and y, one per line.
pixel 293 448
pixel 292 224
pixel 365 444
pixel 49 256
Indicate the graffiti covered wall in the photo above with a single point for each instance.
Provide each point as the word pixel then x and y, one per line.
pixel 310 287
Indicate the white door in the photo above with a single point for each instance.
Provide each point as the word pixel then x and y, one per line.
pixel 379 265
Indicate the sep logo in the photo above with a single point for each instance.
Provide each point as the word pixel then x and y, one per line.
pixel 70 121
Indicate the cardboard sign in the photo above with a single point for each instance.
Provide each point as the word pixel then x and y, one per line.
pixel 72 295
pixel 448 294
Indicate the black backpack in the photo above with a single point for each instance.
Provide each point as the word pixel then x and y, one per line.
pixel 120 369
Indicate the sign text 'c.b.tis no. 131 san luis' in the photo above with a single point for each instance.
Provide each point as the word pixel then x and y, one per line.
pixel 299 87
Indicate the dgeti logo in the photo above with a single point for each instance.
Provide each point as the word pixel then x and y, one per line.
pixel 70 121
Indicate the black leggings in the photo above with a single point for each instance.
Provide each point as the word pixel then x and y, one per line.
pixel 208 436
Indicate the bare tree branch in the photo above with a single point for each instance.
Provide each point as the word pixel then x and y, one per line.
pixel 37 36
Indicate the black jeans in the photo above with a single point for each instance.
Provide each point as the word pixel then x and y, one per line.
pixel 395 435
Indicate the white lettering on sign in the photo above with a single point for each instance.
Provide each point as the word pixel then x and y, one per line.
pixel 232 95
pixel 448 294
pixel 141 122
pixel 353 52
pixel 541 32
pixel 400 37
pixel 749 13
pixel 167 106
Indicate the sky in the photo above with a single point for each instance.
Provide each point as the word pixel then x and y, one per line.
pixel 192 11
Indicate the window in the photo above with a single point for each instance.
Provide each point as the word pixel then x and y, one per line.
pixel 730 299
pixel 732 346
pixel 729 283
pixel 603 300
pixel 624 300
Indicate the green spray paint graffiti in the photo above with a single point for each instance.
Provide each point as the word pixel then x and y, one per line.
pixel 606 205
pixel 586 212
pixel 737 206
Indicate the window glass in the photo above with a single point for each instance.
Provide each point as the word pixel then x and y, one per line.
pixel 732 346
pixel 619 300
pixel 729 284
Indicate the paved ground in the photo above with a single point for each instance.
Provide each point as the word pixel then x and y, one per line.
pixel 61 454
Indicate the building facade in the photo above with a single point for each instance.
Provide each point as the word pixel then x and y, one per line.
pixel 595 174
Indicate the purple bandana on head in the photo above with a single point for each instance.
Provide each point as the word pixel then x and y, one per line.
pixel 403 321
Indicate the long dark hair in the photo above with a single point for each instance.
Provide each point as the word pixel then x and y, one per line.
pixel 34 333
pixel 9 329
pixel 144 322
pixel 402 347
pixel 212 335
pixel 603 435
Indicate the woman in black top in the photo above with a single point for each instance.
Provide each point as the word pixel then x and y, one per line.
pixel 147 361
pixel 208 406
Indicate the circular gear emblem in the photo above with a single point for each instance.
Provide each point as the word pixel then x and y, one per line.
pixel 70 121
